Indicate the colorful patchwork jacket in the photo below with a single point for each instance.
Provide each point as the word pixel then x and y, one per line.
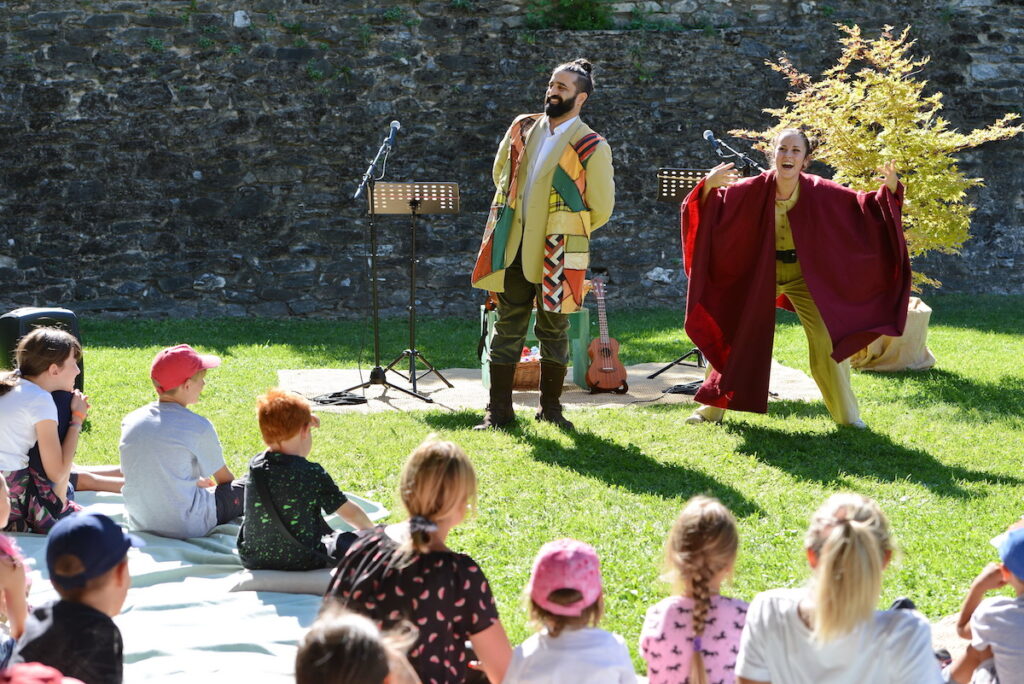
pixel 554 229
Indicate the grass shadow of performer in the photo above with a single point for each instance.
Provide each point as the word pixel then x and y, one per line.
pixel 848 452
pixel 622 465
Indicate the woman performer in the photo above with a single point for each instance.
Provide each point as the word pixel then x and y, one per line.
pixel 835 256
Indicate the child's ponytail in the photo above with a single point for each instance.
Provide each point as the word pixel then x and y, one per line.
pixel 850 536
pixel 702 543
pixel 437 481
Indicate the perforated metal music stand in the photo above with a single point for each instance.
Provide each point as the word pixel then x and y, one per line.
pixel 415 199
pixel 675 184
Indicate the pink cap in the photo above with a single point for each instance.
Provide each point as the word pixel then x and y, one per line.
pixel 174 365
pixel 565 564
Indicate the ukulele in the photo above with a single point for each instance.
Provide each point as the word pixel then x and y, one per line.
pixel 606 372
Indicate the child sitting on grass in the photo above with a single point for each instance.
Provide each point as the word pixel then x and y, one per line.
pixel 405 572
pixel 176 483
pixel 566 602
pixel 348 648
pixel 695 636
pixel 41 416
pixel 995 625
pixel 286 494
pixel 86 555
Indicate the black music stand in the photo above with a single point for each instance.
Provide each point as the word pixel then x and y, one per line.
pixel 415 199
pixel 673 186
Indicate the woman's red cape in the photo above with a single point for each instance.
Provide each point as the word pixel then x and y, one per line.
pixel 852 254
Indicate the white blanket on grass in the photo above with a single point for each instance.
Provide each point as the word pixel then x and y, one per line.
pixel 193 613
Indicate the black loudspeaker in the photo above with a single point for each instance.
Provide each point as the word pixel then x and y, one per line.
pixel 16 324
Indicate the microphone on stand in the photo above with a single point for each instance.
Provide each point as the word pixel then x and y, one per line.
pixel 385 149
pixel 710 137
pixel 395 127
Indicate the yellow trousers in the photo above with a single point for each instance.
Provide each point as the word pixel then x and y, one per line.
pixel 833 379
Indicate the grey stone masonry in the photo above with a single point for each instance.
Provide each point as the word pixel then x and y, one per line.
pixel 177 158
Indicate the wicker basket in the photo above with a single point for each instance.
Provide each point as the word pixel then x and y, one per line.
pixel 527 377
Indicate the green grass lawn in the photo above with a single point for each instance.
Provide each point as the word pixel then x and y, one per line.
pixel 942 457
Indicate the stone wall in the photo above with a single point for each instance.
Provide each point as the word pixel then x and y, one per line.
pixel 177 158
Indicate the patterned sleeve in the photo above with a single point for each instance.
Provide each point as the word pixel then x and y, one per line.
pixel 475 603
pixel 650 634
pixel 329 496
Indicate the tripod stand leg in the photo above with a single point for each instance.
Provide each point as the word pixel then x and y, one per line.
pixel 385 383
pixel 429 365
pixel 701 362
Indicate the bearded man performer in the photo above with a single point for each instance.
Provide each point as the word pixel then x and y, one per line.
pixel 555 186
pixel 835 256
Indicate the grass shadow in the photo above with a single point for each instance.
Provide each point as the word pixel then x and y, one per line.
pixel 977 400
pixel 622 465
pixel 989 313
pixel 848 452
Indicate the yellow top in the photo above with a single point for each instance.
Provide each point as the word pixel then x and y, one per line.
pixel 783 233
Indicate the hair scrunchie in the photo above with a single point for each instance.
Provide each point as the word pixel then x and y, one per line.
pixel 419 523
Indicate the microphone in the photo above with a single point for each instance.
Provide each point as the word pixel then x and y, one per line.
pixel 710 137
pixel 395 126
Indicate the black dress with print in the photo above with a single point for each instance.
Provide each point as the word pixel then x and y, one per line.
pixel 443 593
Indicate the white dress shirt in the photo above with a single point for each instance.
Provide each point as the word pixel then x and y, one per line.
pixel 547 147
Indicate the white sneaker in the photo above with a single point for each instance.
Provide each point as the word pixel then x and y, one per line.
pixel 859 424
pixel 696 419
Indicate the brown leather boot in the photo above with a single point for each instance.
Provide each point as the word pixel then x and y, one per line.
pixel 552 377
pixel 499 411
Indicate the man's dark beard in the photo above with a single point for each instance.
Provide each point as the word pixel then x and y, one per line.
pixel 557 109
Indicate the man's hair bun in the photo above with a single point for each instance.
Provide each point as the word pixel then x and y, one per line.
pixel 582 69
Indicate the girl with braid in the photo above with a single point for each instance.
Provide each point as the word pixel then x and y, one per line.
pixel 694 637
pixel 829 632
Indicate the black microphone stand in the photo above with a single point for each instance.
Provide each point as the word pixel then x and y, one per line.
pixel 748 164
pixel 377 374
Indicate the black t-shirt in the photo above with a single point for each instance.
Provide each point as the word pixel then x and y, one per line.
pixel 300 490
pixel 74 638
pixel 443 593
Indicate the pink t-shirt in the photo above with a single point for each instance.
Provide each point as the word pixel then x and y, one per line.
pixel 666 641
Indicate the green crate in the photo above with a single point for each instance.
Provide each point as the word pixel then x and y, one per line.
pixel 579 342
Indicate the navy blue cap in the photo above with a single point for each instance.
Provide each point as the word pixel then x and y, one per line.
pixel 94 539
pixel 1011 552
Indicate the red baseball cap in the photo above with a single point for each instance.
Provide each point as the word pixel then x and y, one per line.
pixel 174 365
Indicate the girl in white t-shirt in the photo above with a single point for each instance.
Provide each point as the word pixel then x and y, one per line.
pixel 695 635
pixel 830 632
pixel 46 360
pixel 566 601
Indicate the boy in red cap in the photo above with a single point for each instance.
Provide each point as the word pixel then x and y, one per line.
pixel 86 555
pixel 176 482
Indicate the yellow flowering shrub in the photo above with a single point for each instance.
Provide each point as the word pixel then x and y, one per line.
pixel 871 108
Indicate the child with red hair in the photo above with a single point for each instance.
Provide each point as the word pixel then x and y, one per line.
pixel 284 528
